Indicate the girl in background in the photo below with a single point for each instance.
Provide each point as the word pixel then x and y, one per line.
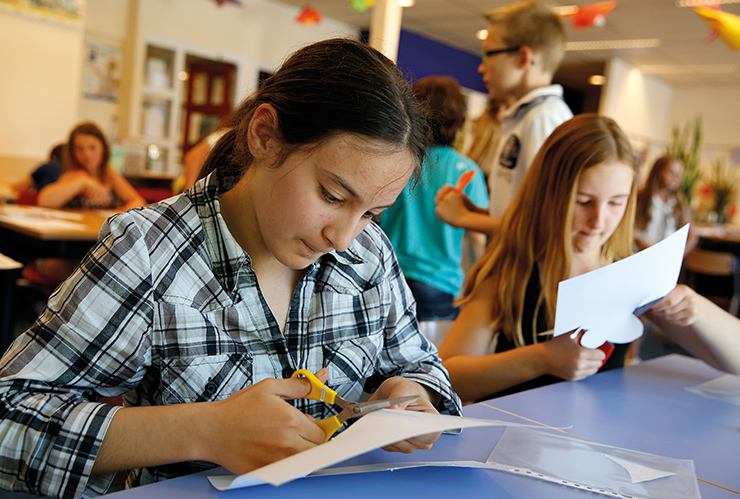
pixel 87 181
pixel 661 206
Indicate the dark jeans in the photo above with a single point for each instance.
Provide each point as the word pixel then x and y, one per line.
pixel 432 304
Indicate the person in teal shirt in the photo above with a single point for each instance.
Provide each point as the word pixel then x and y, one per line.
pixel 429 250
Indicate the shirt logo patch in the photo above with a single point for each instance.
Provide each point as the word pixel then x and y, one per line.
pixel 510 153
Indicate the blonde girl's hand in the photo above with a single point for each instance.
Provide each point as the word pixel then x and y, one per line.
pixel 565 358
pixel 680 306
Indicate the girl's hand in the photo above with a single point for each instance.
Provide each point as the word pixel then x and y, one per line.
pixel 97 193
pixel 451 205
pixel 402 387
pixel 680 306
pixel 565 358
pixel 256 426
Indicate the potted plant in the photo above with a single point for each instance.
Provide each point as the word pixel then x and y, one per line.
pixel 723 185
pixel 685 145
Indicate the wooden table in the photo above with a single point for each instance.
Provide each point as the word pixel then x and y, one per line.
pixel 728 235
pixel 28 232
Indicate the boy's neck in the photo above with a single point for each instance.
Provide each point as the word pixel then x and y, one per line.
pixel 531 81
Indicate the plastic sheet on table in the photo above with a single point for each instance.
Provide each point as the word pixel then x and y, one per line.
pixel 603 469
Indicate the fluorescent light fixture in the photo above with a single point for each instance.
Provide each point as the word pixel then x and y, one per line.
pixel 674 69
pixel 703 3
pixel 637 43
pixel 481 34
pixel 597 80
pixel 566 10
pixel 406 3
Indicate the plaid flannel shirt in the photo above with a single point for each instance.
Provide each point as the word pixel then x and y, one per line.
pixel 166 309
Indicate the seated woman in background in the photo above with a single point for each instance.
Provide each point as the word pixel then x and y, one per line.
pixel 661 206
pixel 573 214
pixel 87 181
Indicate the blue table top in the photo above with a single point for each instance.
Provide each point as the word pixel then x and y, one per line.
pixel 644 408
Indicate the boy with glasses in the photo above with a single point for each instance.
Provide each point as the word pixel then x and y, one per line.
pixel 523 49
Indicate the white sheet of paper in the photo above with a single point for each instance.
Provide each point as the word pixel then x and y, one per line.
pixel 370 432
pixel 7 263
pixel 47 223
pixel 640 472
pixel 602 301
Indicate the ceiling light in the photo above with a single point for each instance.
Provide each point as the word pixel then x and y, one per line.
pixel 406 3
pixel 638 43
pixel 183 75
pixel 481 34
pixel 567 10
pixel 665 69
pixel 597 80
pixel 703 3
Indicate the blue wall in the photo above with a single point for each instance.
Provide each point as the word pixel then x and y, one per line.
pixel 419 56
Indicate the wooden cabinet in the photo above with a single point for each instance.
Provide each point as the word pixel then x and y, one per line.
pixel 179 97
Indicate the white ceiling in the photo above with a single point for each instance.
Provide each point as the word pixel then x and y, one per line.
pixel 682 32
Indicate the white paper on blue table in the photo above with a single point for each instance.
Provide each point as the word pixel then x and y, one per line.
pixel 370 432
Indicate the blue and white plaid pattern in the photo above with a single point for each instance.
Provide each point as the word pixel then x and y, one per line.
pixel 166 309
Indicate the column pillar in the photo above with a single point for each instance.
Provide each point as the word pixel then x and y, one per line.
pixel 385 27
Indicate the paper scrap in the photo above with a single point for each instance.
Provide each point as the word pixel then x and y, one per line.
pixel 7 263
pixel 725 388
pixel 639 472
pixel 602 301
pixel 370 432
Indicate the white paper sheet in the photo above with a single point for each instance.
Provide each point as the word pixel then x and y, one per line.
pixel 370 432
pixel 7 263
pixel 603 301
pixel 48 224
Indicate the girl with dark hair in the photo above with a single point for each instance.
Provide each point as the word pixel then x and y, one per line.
pixel 269 264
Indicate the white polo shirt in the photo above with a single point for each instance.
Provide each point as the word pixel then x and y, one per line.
pixel 524 128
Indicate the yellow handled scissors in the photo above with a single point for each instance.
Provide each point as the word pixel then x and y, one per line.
pixel 322 393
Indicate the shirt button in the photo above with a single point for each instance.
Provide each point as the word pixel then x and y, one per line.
pixel 288 372
pixel 211 388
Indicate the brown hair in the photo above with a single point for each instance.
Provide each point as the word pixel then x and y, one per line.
pixel 69 161
pixel 653 184
pixel 537 226
pixel 446 106
pixel 533 25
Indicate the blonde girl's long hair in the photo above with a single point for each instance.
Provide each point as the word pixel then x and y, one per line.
pixel 537 226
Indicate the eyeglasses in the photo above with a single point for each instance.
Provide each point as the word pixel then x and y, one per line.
pixel 489 53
